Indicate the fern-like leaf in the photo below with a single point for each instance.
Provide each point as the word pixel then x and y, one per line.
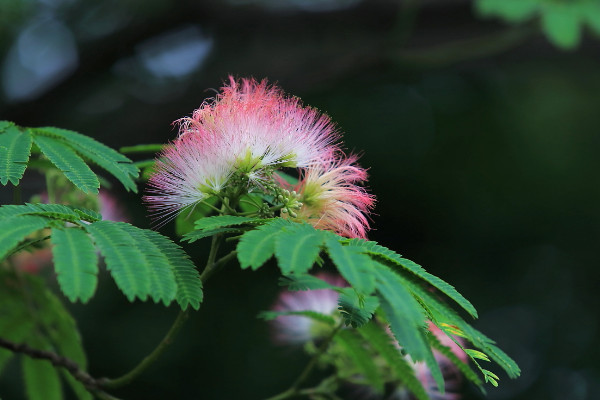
pixel 112 161
pixel 355 266
pixel 363 362
pixel 66 160
pixel 124 258
pixel 258 245
pixel 297 248
pixel 449 354
pixel 390 257
pixel 381 342
pixel 406 320
pixel 15 148
pixel 14 229
pixel 75 263
pixel 187 279
pixel 51 211
pixel 444 317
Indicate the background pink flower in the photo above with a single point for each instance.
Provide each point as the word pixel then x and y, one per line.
pixel 292 329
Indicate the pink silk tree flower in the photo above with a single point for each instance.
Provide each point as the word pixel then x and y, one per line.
pixel 247 131
pixel 297 329
pixel 261 126
pixel 332 200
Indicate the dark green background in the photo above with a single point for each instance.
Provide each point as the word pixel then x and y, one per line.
pixel 484 164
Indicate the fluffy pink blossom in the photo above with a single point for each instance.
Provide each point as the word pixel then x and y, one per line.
pixel 259 122
pixel 296 329
pixel 246 129
pixel 331 198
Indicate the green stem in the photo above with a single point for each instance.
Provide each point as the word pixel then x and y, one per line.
pixel 293 391
pixel 210 270
pixel 149 359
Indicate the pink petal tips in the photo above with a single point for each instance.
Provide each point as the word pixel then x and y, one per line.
pixel 234 144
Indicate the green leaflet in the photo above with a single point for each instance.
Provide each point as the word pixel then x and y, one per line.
pixel 355 267
pixel 258 245
pixel 191 237
pixel 356 309
pixel 388 256
pixel 210 226
pixel 189 286
pixel 15 148
pixel 297 248
pixel 66 160
pixel 112 161
pixel 145 263
pixel 54 211
pixel 219 221
pixel 271 315
pixel 162 280
pixel 406 320
pixel 464 368
pixel 75 262
pixel 382 343
pixel 14 229
pixel 360 357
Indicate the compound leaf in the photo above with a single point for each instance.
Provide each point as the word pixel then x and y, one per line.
pixel 258 245
pixel 355 266
pixel 297 248
pixel 187 279
pixel 112 161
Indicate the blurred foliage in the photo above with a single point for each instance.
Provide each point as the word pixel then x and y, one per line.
pixel 562 21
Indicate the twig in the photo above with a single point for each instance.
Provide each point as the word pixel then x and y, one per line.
pixel 57 360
